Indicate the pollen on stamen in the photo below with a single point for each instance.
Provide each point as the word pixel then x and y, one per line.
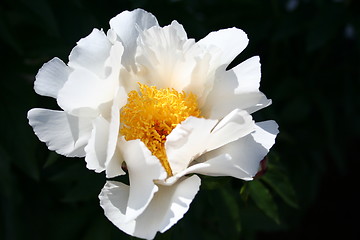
pixel 152 114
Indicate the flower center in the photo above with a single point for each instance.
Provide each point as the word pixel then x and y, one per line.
pixel 151 115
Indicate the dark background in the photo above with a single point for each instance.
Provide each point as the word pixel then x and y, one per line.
pixel 309 52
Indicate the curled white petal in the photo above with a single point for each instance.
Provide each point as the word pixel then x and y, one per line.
pixel 188 141
pixel 114 165
pixel 238 159
pixel 114 158
pixel 101 151
pixel 167 207
pixel 96 149
pixel 236 124
pixel 195 136
pixel 143 168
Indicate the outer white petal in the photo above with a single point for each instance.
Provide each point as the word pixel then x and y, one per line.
pixel 237 88
pixel 127 26
pixel 114 159
pixel 265 133
pixel 51 78
pixel 195 136
pixel 114 165
pixel 231 41
pixel 248 75
pixel 91 53
pixel 96 149
pixel 113 199
pixel 85 90
pixel 63 133
pixel 238 159
pixel 101 151
pixel 168 206
pixel 143 168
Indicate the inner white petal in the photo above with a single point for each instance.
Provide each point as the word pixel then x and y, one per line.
pixel 166 57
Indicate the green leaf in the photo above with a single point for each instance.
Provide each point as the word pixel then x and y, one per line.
pixel 232 204
pixel 280 182
pixel 244 192
pixel 51 159
pixel 263 199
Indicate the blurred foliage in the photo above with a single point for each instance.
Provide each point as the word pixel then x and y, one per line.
pixel 310 68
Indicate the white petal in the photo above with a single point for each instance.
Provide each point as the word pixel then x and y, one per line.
pixel 113 199
pixel 251 102
pixel 85 90
pixel 168 206
pixel 233 126
pixel 236 88
pixel 265 133
pixel 128 80
pixel 63 133
pixel 143 168
pixel 127 26
pixel 248 75
pixel 114 165
pixel 113 62
pixel 195 136
pixel 240 158
pixel 187 141
pixel 101 152
pixel 202 77
pixel 112 36
pixel 51 78
pixel 114 159
pixel 96 149
pixel 224 161
pixel 91 53
pixel 166 57
pixel 115 55
pixel 231 41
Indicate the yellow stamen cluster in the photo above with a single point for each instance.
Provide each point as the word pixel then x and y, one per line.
pixel 151 115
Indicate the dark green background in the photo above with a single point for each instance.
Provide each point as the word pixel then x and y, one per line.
pixel 310 68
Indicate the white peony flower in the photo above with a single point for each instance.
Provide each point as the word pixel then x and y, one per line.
pixel 148 100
